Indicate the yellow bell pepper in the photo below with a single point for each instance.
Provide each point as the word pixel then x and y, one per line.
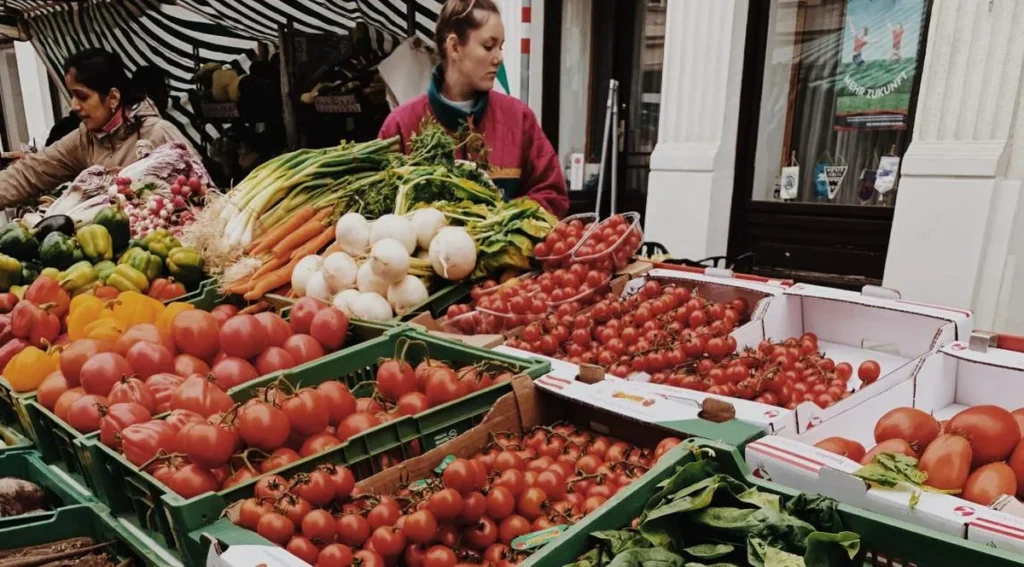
pixel 26 371
pixel 87 300
pixel 105 328
pixel 132 308
pixel 172 310
pixel 84 309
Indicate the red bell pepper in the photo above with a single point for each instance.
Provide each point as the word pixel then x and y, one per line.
pixel 165 289
pixel 7 302
pixel 45 290
pixel 34 324
pixel 10 349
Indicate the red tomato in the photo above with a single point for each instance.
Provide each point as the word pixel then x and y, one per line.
pixel 51 388
pixel 223 312
pixel 1016 463
pixel 303 348
pixel 85 413
pixel 343 479
pixel 281 457
pixel 395 378
pixel 369 558
pixel 196 332
pixel 412 403
pixel 231 371
pixel 841 446
pixel 142 332
pixel 340 401
pixel 302 314
pixel 317 487
pixel 353 530
pixel 891 446
pixel 276 528
pixel 263 426
pixel 118 416
pixel 102 371
pixel 77 353
pixel 512 527
pixel 307 411
pixel 179 418
pixel 355 424
pixel 275 328
pixel 303 548
pixel 140 442
pixel 320 525
pixel 149 358
pixel 664 446
pixel 443 386
pixel 187 365
pixel 60 408
pixel 163 386
pixel 992 431
pixel 242 336
pixel 273 359
pixel 330 328
pixel 207 444
pixel 947 460
pixel 201 395
pixel 990 482
pixel 132 390
pixel 335 555
pixel 251 510
pixel 910 424
pixel 318 443
pixel 868 371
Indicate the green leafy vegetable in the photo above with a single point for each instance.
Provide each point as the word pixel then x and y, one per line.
pixel 890 469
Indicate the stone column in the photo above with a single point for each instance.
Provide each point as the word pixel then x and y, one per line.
pixel 690 188
pixel 955 207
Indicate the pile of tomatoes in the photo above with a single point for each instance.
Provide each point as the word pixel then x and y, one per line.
pixel 469 513
pixel 658 329
pixel 554 251
pixel 979 451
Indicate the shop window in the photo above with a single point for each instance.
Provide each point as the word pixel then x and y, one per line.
pixel 837 99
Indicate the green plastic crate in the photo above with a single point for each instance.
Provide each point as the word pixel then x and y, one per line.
pixel 13 439
pixel 195 295
pixel 61 490
pixel 55 440
pixel 92 521
pixel 881 537
pixel 133 491
pixel 12 408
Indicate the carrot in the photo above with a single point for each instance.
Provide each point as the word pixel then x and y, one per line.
pixel 313 246
pixel 312 228
pixel 301 217
pixel 257 307
pixel 268 266
pixel 272 281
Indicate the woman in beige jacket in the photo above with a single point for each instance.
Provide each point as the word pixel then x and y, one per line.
pixel 113 121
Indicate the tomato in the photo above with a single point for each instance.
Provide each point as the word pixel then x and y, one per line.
pixel 263 426
pixel 301 547
pixel 423 371
pixel 294 507
pixel 353 530
pixel 317 487
pixel 85 413
pixel 947 460
pixel 440 556
pixel 335 555
pixel 395 378
pixel 187 365
pixel 910 424
pixel 444 386
pixel 501 503
pixel 77 353
pixel 412 403
pixel 387 541
pixel 496 552
pixel 481 535
pixel 207 444
pixel 990 482
pixel 275 328
pixel 118 416
pixel 252 509
pixel 992 431
pixel 868 371
pixel 318 443
pixel 196 332
pixel 180 418
pixel 102 371
pixel 230 371
pixel 273 359
pixel 368 558
pixel 242 336
pixel 512 527
pixel 420 526
pixel 281 457
pixel 303 348
pixel 445 504
pixel 664 446
pixel 132 390
pixel 841 446
pixel 329 327
pixel 890 446
pixel 142 441
pixel 163 387
pixel 303 311
pixel 340 401
pixel 192 480
pixel 508 460
pixel 355 424
pixel 530 503
pixel 63 403
pixel 552 484
pixel 275 528
pixel 51 388
pixel 201 395
pixel 474 506
pixel 459 475
pixel 270 487
pixel 240 476
pixel 307 411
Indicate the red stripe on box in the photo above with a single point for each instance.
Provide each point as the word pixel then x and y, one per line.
pixel 998 528
pixel 997 531
pixel 527 14
pixel 557 378
pixel 764 450
pixel 792 454
pixel 551 384
pixel 524 46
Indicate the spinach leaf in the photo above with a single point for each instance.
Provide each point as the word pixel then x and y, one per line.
pixel 653 557
pixel 592 558
pixel 890 469
pixel 760 554
pixel 709 550
pixel 686 476
pixel 618 541
pixel 831 549
pixel 820 511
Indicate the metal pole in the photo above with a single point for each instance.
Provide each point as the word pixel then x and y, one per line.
pixel 612 85
pixel 615 145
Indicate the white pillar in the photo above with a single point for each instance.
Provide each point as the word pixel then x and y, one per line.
pixel 955 207
pixel 35 91
pixel 690 189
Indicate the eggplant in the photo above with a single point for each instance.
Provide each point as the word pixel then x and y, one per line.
pixel 56 223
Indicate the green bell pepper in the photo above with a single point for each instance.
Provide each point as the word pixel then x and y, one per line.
pixel 116 222
pixel 79 277
pixel 104 269
pixel 149 264
pixel 96 243
pixel 160 242
pixel 30 270
pixel 186 265
pixel 57 250
pixel 16 240
pixel 127 278
pixel 10 272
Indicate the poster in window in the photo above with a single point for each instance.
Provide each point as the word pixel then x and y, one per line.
pixel 878 64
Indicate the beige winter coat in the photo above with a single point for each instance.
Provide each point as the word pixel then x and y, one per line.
pixel 66 158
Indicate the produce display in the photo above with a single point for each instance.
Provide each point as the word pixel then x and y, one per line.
pixel 471 511
pixel 19 497
pixel 74 551
pixel 698 517
pixel 977 454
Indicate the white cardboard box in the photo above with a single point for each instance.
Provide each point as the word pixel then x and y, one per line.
pixel 947 381
pixel 851 327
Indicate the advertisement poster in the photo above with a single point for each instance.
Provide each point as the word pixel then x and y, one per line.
pixel 878 64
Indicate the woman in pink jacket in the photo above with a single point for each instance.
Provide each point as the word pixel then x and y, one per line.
pixel 470 36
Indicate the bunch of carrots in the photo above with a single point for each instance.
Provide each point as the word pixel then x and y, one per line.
pixel 307 232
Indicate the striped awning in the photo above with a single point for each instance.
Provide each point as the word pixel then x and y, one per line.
pixel 165 33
